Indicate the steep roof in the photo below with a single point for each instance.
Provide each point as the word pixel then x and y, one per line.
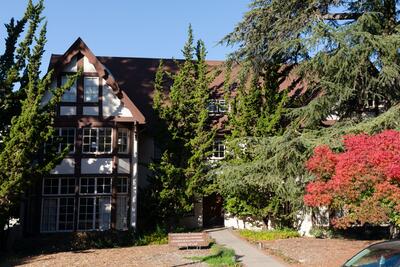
pixel 135 77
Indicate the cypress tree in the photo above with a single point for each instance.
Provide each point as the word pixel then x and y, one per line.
pixel 26 122
pixel 185 135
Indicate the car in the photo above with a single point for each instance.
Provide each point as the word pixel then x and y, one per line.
pixel 383 254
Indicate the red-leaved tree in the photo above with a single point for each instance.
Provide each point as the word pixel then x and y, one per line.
pixel 362 183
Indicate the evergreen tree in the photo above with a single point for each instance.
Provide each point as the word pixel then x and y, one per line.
pixel 346 64
pixel 346 60
pixel 26 122
pixel 185 135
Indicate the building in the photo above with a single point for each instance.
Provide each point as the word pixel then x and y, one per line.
pixel 107 119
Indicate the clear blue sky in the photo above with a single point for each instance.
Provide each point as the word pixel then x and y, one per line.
pixel 136 28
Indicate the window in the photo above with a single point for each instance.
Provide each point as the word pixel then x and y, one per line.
pixel 97 140
pixel 66 214
pixel 67 136
pixel 69 94
pixel 58 214
pixel 50 186
pixel 95 185
pixel 216 106
pixel 218 149
pixel 87 185
pixel 122 185
pixel 91 89
pixel 49 215
pixel 123 140
pixel 59 186
pixel 122 213
pixel 94 213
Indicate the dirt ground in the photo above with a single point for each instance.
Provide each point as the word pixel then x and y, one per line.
pixel 145 256
pixel 312 252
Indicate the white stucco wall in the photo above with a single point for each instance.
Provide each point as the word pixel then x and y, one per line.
pixel 123 165
pixel 112 105
pixel 96 165
pixel 71 67
pixel 67 166
pixel 87 66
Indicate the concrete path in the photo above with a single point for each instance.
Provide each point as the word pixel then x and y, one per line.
pixel 246 253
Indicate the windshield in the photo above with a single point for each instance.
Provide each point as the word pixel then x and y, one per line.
pixel 385 254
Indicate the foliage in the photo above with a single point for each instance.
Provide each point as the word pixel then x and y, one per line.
pixel 322 232
pixel 26 123
pixel 345 60
pixel 184 135
pixel 157 237
pixel 361 183
pixel 268 235
pixel 220 256
pixel 278 163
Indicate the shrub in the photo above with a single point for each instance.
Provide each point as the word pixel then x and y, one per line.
pixel 268 235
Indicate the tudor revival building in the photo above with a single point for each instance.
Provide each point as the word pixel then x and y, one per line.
pixel 107 119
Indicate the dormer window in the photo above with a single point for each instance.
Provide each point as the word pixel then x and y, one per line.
pixel 69 94
pixel 216 107
pixel 91 89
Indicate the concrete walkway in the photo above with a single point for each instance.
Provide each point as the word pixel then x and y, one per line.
pixel 246 253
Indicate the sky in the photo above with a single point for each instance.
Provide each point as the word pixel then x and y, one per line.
pixel 133 28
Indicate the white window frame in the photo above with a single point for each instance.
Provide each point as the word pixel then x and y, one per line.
pixel 57 214
pixel 217 107
pixel 58 186
pixel 90 96
pixel 95 186
pixel 70 95
pixel 217 145
pixel 126 132
pixel 97 140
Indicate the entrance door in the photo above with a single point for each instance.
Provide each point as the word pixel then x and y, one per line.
pixel 212 211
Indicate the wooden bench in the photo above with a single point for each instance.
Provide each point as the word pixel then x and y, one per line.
pixel 186 240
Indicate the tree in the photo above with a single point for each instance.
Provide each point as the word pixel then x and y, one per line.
pixel 347 61
pixel 185 135
pixel 343 65
pixel 360 183
pixel 26 122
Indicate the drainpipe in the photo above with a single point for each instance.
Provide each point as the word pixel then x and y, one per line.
pixel 134 180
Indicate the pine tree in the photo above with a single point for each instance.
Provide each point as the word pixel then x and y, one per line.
pixel 26 123
pixel 185 134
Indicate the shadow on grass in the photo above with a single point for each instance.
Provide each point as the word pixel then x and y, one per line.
pixel 220 256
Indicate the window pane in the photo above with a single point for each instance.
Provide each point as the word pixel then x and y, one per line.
pixel 122 212
pixel 69 94
pixel 122 185
pixel 67 136
pixel 218 149
pixel 91 89
pixel 66 214
pixel 87 185
pixel 49 215
pixel 123 137
pixel 103 185
pixel 103 213
pixel 86 213
pixel 50 186
pixel 67 186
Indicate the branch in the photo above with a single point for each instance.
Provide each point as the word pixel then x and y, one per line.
pixel 340 16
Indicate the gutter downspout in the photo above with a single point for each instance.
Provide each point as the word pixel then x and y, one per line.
pixel 134 180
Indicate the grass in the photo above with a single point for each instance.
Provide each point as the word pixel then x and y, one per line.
pixel 268 235
pixel 220 256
